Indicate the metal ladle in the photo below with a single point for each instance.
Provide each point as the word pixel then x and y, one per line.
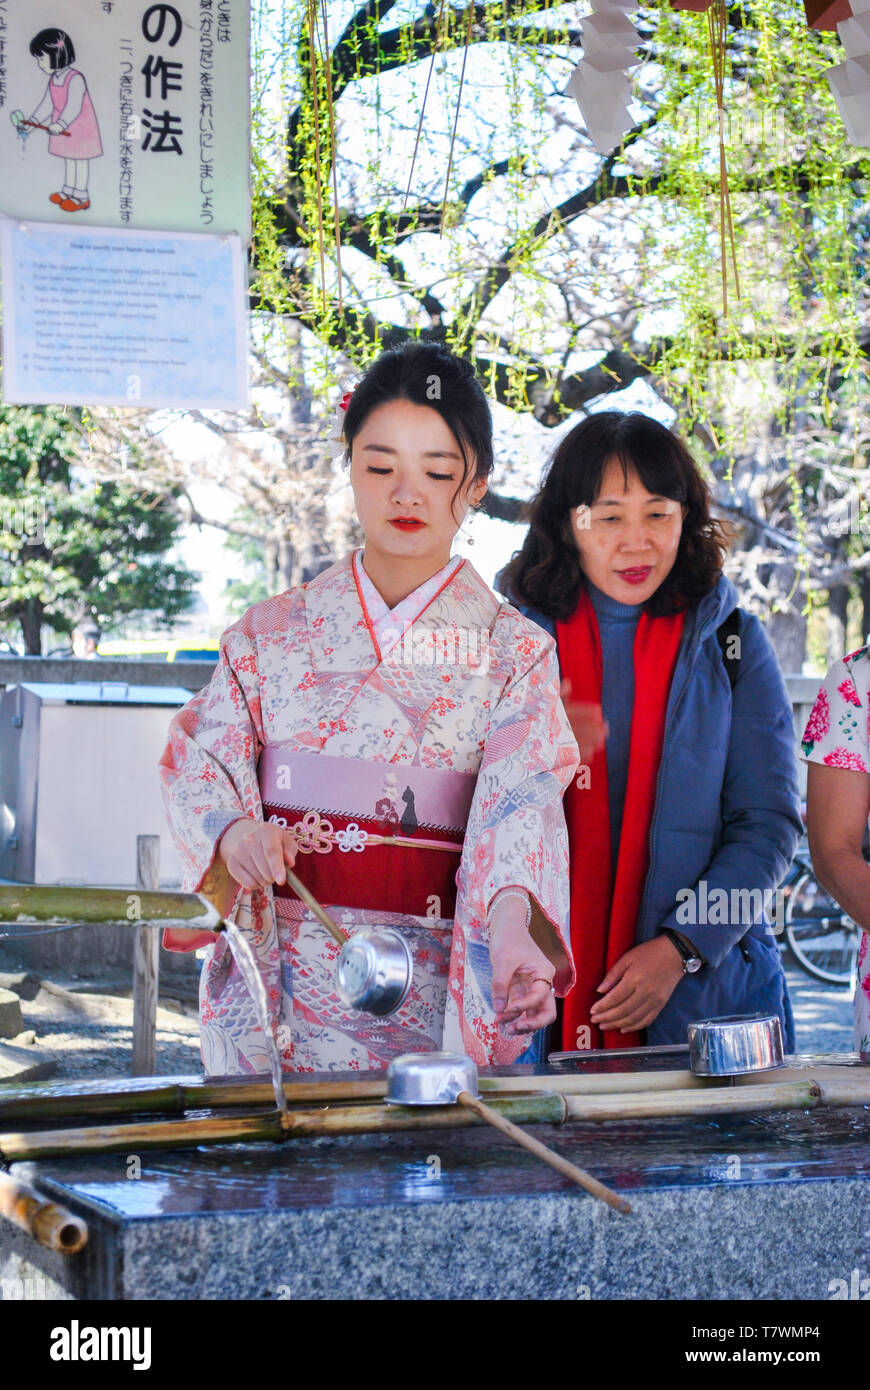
pixel 375 967
pixel 447 1078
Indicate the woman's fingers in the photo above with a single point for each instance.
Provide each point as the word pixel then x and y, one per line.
pixel 533 1008
pixel 259 858
pixel 629 1016
pixel 613 1015
pixel 615 973
pixel 530 1022
pixel 614 997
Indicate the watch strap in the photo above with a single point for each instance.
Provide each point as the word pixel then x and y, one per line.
pixel 686 953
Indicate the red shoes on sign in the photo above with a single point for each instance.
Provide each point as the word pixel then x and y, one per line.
pixel 70 204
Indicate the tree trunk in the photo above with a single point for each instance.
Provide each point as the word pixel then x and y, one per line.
pixel 788 634
pixel 31 627
pixel 838 600
pixel 286 563
pixel 270 560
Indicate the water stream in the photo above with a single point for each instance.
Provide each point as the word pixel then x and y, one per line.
pixel 249 970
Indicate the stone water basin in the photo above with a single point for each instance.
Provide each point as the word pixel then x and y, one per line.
pixel 770 1205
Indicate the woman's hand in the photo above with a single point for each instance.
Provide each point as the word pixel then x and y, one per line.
pixel 521 973
pixel 256 854
pixel 587 721
pixel 56 128
pixel 638 986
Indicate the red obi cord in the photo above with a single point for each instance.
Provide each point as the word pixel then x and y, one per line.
pixel 382 878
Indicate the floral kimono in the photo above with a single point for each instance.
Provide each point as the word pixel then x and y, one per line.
pixel 837 735
pixel 438 722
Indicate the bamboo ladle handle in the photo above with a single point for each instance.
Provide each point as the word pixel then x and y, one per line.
pixel 534 1146
pixel 320 913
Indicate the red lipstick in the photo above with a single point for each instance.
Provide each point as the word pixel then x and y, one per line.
pixel 407 523
pixel 636 576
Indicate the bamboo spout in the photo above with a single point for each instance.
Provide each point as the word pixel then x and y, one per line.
pixel 52 1225
pixel 67 904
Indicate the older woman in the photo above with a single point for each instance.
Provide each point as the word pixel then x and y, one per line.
pixel 835 745
pixel 685 814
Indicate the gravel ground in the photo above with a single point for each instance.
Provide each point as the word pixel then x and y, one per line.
pixel 822 1013
pixel 86 1025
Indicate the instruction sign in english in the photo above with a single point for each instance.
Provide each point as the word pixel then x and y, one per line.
pixel 93 316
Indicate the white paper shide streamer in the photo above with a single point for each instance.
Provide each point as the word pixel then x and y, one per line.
pixel 850 81
pixel 600 83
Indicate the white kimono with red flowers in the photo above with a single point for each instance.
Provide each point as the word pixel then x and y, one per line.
pixel 455 735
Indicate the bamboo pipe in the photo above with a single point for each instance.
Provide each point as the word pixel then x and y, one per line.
pixel 52 1225
pixel 547 1155
pixel 57 1099
pixel 49 1099
pixel 265 1126
pixel 173 1098
pixel 793 1095
pixel 365 1119
pixel 67 904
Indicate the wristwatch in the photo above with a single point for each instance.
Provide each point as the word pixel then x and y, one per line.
pixel 692 962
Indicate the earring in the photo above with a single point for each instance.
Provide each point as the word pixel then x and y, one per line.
pixel 469 537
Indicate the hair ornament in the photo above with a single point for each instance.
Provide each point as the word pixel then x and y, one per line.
pixel 337 441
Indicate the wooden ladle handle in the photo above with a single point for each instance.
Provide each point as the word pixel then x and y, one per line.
pixel 320 913
pixel 534 1146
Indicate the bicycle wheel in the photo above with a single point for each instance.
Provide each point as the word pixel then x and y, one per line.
pixel 822 937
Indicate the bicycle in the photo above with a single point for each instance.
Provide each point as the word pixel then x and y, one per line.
pixel 821 938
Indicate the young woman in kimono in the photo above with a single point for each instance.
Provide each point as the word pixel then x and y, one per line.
pixel 393 694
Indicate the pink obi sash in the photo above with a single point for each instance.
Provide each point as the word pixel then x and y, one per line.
pixel 348 813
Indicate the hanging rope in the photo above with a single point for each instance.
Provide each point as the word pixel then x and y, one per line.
pixel 327 64
pixel 717 24
pixel 312 26
pixel 425 97
pixel 456 117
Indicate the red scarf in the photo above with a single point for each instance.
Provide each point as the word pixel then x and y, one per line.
pixel 604 920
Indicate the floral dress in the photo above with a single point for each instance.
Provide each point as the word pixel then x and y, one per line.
pixel 837 735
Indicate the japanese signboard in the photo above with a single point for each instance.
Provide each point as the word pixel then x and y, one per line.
pixel 105 317
pixel 126 113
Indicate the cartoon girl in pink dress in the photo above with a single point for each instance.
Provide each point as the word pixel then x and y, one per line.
pixel 67 111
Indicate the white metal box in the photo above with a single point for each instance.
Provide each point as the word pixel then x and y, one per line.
pixel 79 781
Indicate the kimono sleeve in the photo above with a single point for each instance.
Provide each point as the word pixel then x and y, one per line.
pixel 208 770
pixel 516 835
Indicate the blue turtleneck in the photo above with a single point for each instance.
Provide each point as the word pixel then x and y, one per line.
pixel 617 624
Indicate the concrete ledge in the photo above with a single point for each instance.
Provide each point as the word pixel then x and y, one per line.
pixel 24 1064
pixel 769 1242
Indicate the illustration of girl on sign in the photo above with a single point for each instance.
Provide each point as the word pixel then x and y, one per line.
pixel 67 113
